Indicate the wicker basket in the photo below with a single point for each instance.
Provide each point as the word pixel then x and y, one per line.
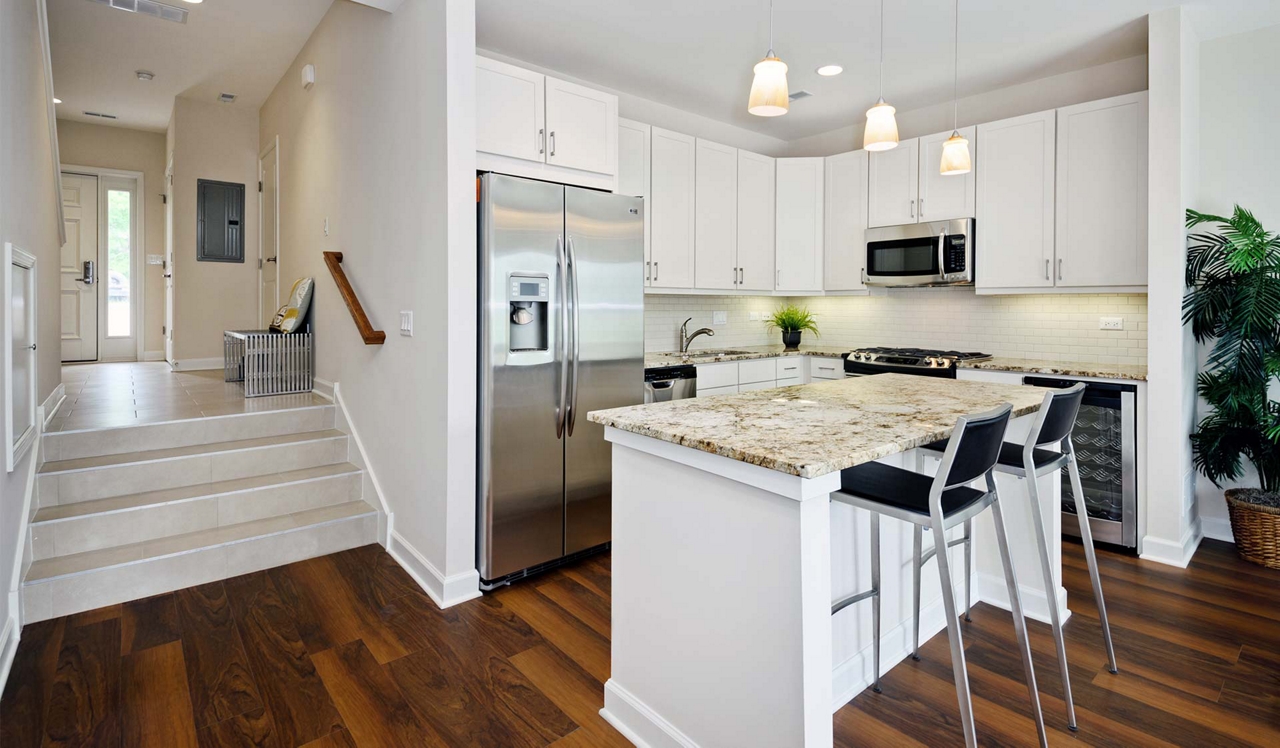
pixel 1256 529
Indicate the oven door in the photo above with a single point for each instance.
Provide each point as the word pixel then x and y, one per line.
pixel 938 253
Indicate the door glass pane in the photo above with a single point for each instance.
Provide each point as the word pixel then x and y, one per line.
pixel 1098 438
pixel 119 264
pixel 22 358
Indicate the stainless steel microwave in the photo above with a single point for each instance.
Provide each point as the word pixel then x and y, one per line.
pixel 938 253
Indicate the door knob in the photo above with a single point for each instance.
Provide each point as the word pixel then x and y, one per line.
pixel 271 259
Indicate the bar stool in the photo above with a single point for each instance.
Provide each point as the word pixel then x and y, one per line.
pixel 938 504
pixel 1053 426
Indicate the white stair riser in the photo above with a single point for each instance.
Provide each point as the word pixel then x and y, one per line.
pixel 185 433
pixel 91 532
pixel 94 589
pixel 118 480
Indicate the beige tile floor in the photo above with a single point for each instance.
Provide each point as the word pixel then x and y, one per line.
pixel 126 394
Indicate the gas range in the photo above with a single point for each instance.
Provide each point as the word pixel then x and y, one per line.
pixel 922 361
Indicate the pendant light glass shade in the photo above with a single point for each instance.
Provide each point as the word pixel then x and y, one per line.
pixel 769 88
pixel 955 155
pixel 881 132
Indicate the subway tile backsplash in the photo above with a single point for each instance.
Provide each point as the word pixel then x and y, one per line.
pixel 1061 327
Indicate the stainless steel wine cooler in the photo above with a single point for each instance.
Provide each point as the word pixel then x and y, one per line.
pixel 1105 439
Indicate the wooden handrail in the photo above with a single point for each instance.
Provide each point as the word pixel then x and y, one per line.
pixel 370 335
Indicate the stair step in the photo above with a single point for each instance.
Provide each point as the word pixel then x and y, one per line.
pixel 70 584
pixel 105 476
pixel 66 529
pixel 69 445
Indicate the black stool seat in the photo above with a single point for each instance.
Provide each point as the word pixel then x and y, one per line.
pixel 903 488
pixel 1010 454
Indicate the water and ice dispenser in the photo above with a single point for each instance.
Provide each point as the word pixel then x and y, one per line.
pixel 527 298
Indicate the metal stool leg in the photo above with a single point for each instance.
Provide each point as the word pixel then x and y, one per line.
pixel 1086 538
pixel 968 567
pixel 1019 623
pixel 917 542
pixel 958 668
pixel 1055 617
pixel 875 601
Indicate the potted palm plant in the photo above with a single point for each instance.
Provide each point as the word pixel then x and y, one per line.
pixel 1233 302
pixel 792 321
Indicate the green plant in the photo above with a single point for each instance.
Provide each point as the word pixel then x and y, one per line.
pixel 1234 302
pixel 792 318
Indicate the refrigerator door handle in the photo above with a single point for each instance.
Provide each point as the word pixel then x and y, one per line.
pixel 562 348
pixel 573 392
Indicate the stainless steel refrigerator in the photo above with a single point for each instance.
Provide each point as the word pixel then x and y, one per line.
pixel 561 334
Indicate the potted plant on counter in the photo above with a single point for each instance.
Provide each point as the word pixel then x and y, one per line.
pixel 1234 304
pixel 792 321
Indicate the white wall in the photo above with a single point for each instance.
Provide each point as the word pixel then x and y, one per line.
pixel 382 145
pixel 28 218
pixel 1239 158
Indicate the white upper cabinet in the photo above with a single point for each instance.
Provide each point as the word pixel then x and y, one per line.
pixel 845 221
pixel 799 224
pixel 633 176
pixel 1102 193
pixel 582 128
pixel 1016 203
pixel 671 207
pixel 510 110
pixel 755 222
pixel 893 177
pixel 944 198
pixel 716 216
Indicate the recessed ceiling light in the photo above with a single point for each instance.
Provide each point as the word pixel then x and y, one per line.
pixel 56 100
pixel 829 70
pixel 145 75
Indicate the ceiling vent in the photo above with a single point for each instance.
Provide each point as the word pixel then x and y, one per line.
pixel 226 98
pixel 798 95
pixel 148 8
pixel 99 115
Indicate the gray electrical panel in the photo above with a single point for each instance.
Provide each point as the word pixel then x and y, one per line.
pixel 219 221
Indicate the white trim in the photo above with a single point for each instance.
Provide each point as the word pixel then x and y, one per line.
pixel 1217 528
pixel 42 17
pixel 444 591
pixel 387 5
pixel 991 589
pixel 323 387
pixel 153 355
pixel 1174 554
pixel 262 260
pixel 1041 290
pixel 15 445
pixel 347 426
pixel 17 615
pixel 197 364
pixel 53 402
pixel 637 722
pixel 9 645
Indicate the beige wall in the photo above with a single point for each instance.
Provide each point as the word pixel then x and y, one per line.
pixel 220 142
pixel 83 144
pixel 367 148
pixel 28 219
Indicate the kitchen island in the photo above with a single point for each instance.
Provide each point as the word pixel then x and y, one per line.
pixel 727 553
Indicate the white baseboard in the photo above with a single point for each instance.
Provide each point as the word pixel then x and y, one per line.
pixel 854 675
pixel 1217 528
pixel 992 589
pixel 1173 553
pixel 153 355
pixel 197 364
pixel 322 387
pixel 638 723
pixel 8 647
pixel 445 591
pixel 53 402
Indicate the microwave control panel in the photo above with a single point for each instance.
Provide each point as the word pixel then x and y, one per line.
pixel 954 253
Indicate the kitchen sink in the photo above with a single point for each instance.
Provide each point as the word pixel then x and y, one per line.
pixel 713 353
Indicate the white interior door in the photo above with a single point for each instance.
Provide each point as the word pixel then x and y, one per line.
pixel 120 278
pixel 79 293
pixel 168 262
pixel 269 241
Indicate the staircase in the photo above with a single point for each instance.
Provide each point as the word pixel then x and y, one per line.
pixel 125 513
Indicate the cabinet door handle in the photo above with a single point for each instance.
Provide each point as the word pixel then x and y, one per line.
pixel 741 279
pixel 777 278
pixel 922 207
pixel 648 266
pixel 1046 268
pixel 542 140
pixel 553 142
pixel 655 271
pixel 913 208
pixel 1059 268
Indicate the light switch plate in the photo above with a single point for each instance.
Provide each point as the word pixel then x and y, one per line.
pixel 719 318
pixel 155 259
pixel 1111 323
pixel 406 324
pixel 753 316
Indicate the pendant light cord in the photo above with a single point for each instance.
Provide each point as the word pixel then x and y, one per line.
pixel 881 49
pixel 771 28
pixel 955 74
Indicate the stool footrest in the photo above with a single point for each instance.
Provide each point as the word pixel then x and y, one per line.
pixel 857 597
pixel 929 553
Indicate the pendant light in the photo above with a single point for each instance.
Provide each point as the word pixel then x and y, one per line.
pixel 955 152
pixel 769 87
pixel 881 131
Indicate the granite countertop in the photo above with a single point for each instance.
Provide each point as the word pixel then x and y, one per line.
pixel 1136 372
pixel 740 353
pixel 810 430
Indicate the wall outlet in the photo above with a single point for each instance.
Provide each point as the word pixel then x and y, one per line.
pixel 406 324
pixel 719 318
pixel 1111 323
pixel 753 316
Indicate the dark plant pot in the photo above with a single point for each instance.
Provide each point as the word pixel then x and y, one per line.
pixel 791 340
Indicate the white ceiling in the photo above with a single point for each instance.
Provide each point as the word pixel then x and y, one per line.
pixel 236 46
pixel 697 55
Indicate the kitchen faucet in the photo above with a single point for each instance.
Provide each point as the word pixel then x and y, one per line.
pixel 685 340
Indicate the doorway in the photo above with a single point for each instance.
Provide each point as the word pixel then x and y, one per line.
pixel 78 268
pixel 269 238
pixel 167 330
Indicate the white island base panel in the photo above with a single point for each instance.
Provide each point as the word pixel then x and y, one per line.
pixel 723 577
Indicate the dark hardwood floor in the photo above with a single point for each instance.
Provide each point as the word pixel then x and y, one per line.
pixel 344 650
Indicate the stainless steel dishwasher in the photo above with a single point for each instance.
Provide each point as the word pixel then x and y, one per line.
pixel 666 383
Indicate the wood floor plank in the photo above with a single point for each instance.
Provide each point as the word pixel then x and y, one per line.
pixel 149 622
pixel 300 708
pixel 499 624
pixel 375 712
pixel 105 613
pixel 156 704
pixel 572 689
pixel 337 739
pixel 84 703
pixel 1240 730
pixel 855 728
pixel 30 683
pixel 558 627
pixel 374 575
pixel 218 673
pixel 251 729
pixel 579 601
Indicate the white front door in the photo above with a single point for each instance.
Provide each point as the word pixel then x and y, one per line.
pixel 168 262
pixel 121 270
pixel 269 241
pixel 78 294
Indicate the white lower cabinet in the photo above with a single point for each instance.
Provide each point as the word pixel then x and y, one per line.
pixel 708 392
pixel 764 374
pixel 749 387
pixel 790 367
pixel 825 368
pixel 757 370
pixel 715 376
